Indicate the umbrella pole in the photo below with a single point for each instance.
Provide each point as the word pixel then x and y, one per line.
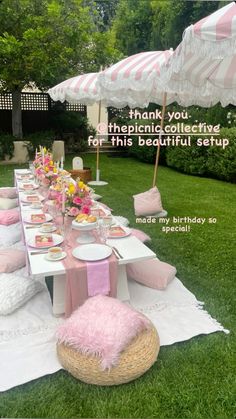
pixel 159 146
pixel 98 182
pixel 98 146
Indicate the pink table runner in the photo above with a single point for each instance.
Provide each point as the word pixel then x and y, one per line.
pixel 76 276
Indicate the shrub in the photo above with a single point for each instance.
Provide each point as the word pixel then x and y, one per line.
pixel 145 153
pixel 33 141
pixel 6 146
pixel 211 161
pixel 222 163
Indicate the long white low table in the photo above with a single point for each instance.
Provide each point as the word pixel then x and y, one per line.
pixel 132 250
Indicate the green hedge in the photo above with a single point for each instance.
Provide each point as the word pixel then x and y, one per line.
pixel 6 146
pixel 211 161
pixel 145 153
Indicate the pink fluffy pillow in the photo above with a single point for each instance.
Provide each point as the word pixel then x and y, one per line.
pixel 8 217
pixel 11 260
pixel 143 237
pixel 102 326
pixel 153 273
pixel 8 193
pixel 148 203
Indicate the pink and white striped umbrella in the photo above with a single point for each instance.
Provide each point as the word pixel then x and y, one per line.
pixel 80 89
pixel 131 80
pixel 202 69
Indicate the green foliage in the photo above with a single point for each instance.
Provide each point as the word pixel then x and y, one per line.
pixel 132 26
pixel 6 146
pixel 211 161
pixel 143 25
pixel 221 164
pixel 145 153
pixel 43 138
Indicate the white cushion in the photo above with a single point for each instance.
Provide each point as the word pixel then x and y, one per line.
pixel 8 203
pixel 15 290
pixel 10 234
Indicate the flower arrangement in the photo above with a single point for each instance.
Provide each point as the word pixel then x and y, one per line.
pixel 44 168
pixel 72 197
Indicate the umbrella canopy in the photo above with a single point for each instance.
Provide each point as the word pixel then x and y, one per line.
pixel 130 82
pixel 83 89
pixel 202 69
pixel 80 89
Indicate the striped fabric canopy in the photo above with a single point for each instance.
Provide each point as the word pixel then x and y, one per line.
pixel 200 76
pixel 215 34
pixel 131 81
pixel 80 89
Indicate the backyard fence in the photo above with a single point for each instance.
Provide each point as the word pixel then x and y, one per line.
pixel 37 110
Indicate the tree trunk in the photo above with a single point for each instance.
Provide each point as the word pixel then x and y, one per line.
pixel 16 114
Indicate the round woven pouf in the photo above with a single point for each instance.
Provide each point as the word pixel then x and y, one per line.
pixel 138 357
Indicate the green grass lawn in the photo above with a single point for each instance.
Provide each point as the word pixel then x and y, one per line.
pixel 193 379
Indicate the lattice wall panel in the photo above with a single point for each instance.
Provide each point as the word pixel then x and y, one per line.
pixel 6 101
pixel 34 102
pixel 38 102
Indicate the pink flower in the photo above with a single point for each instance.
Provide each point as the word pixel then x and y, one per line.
pixel 77 200
pixel 85 209
pixel 45 182
pixel 73 211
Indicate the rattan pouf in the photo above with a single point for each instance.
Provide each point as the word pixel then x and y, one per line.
pixel 138 357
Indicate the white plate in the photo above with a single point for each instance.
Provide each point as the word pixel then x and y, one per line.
pixel 53 228
pixel 36 206
pixel 27 219
pixel 92 252
pixel 33 186
pixel 127 232
pixel 24 199
pixel 83 226
pixel 48 257
pixel 57 239
pixel 25 176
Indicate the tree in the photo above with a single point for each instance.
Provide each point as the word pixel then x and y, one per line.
pixel 132 26
pixel 44 41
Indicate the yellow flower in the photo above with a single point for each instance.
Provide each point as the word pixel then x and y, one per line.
pixel 71 188
pixel 51 163
pixel 46 169
pixel 45 150
pixel 81 184
pixel 54 170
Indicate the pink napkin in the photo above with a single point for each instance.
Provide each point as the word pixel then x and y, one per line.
pixel 98 278
pixel 77 279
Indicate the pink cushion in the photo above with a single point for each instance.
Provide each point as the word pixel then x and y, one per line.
pixel 8 193
pixel 152 273
pixel 143 237
pixel 148 203
pixel 102 326
pixel 11 260
pixel 8 217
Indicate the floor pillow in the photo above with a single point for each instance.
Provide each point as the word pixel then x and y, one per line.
pixel 153 273
pixel 16 290
pixel 143 237
pixel 7 203
pixel 11 260
pixel 10 234
pixel 102 326
pixel 8 217
pixel 8 192
pixel 148 203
